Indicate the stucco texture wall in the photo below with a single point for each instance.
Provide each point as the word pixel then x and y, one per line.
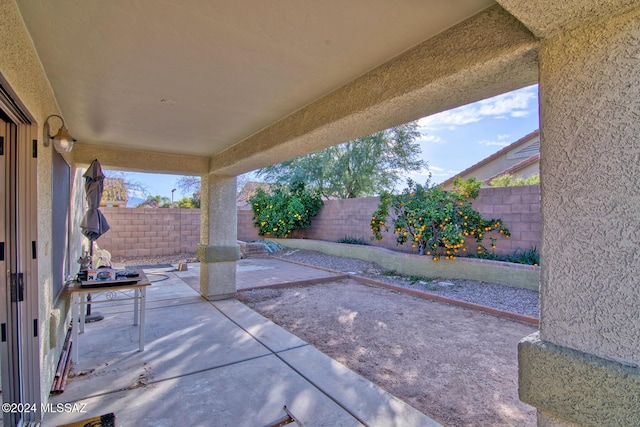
pixel 590 157
pixel 21 69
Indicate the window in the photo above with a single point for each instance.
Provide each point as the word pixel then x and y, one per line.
pixel 60 192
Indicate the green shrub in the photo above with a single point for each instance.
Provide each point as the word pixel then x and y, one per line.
pixel 508 180
pixel 286 209
pixel 353 241
pixel 519 256
pixel 434 220
pixel 469 188
pixel 528 256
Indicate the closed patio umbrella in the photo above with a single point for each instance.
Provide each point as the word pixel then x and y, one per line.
pixel 93 223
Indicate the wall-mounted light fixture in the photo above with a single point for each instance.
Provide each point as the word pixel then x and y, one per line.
pixel 62 141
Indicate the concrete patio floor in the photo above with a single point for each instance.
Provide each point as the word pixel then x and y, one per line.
pixel 216 363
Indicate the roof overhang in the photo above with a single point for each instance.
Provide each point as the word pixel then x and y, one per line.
pixel 246 84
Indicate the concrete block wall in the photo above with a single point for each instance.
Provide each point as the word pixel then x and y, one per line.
pixel 344 218
pixel 150 232
pixel 246 231
pixel 518 207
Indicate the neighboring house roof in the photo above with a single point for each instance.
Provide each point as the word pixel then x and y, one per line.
pixel 515 157
pixel 515 169
pixel 114 193
pixel 152 204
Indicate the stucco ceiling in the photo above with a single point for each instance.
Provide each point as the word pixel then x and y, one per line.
pixel 198 76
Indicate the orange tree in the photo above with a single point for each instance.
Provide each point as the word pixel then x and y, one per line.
pixel 434 220
pixel 285 209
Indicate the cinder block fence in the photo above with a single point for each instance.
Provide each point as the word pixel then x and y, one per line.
pixel 148 232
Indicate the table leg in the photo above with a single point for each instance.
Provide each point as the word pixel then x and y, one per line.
pixel 136 296
pixel 143 299
pixel 75 324
pixel 81 303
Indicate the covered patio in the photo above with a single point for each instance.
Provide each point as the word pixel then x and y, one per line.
pixel 216 363
pixel 217 89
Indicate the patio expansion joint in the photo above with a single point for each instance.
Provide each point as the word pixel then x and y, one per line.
pixel 257 339
pixel 202 300
pixel 293 368
pixel 318 387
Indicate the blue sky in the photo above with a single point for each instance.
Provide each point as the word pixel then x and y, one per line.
pixel 451 141
pixel 456 139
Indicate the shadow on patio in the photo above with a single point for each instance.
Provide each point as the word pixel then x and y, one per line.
pixel 216 363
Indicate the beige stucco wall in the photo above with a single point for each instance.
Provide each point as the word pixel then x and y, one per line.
pixel 584 367
pixel 138 160
pixel 590 150
pixel 546 18
pixel 220 251
pixel 590 104
pixel 572 388
pixel 21 69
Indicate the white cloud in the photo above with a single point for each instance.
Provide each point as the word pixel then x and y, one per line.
pixel 438 175
pixel 439 172
pixel 490 143
pixel 509 103
pixel 137 193
pixel 504 136
pixel 512 104
pixel 450 119
pixel 435 139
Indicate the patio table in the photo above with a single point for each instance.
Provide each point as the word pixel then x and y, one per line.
pixel 79 291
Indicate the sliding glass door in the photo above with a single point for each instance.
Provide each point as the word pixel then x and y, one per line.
pixel 19 320
pixel 11 281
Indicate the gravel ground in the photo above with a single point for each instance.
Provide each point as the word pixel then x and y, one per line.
pixel 515 300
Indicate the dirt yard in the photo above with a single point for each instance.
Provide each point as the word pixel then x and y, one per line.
pixel 456 365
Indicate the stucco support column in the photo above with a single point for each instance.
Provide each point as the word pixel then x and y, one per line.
pixel 582 368
pixel 218 250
